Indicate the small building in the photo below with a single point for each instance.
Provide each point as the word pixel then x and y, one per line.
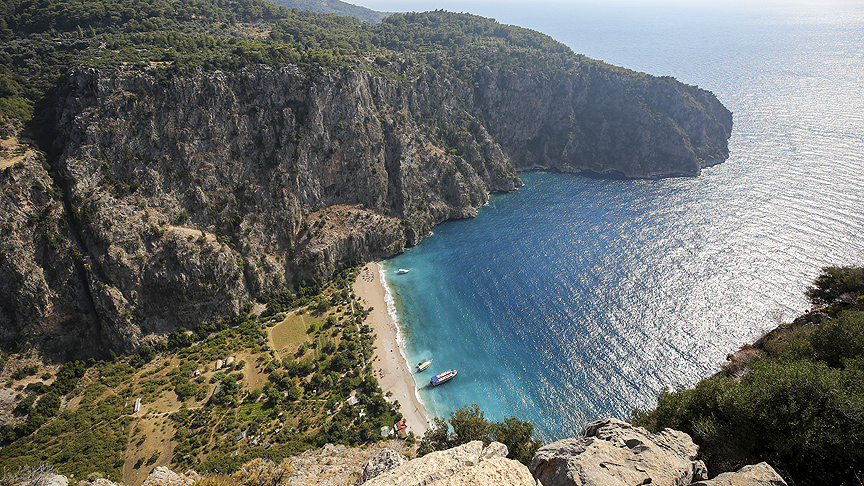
pixel 352 400
pixel 402 429
pixel 229 360
pixel 137 407
pixel 218 364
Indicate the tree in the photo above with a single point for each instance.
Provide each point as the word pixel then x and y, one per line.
pixel 468 424
pixel 836 283
pixel 517 436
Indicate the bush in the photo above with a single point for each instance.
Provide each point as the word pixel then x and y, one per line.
pixel 469 424
pixel 800 408
pixel 836 283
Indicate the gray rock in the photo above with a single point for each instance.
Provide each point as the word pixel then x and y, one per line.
pixel 754 475
pixel 615 453
pixel 55 480
pixel 494 450
pixel 160 170
pixel 103 482
pixel 386 460
pixel 162 476
pixel 468 464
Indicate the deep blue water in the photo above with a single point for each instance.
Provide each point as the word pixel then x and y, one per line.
pixel 575 298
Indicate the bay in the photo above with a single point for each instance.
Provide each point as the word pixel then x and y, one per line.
pixel 576 298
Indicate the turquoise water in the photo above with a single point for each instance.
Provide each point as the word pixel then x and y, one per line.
pixel 576 298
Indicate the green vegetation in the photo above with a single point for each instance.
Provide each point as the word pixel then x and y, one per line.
pixel 800 404
pixel 335 7
pixel 263 405
pixel 41 40
pixel 468 424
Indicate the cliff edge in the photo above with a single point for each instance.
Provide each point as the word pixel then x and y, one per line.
pixel 169 200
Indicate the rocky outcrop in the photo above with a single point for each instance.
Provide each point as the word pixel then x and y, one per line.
pixel 468 464
pixel 162 476
pixel 604 120
pixel 338 465
pixel 386 460
pixel 760 474
pixel 185 198
pixel 611 452
pixel 43 291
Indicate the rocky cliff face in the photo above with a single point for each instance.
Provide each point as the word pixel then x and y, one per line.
pixel 187 197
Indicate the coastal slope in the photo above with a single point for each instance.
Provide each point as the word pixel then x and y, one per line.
pixel 188 193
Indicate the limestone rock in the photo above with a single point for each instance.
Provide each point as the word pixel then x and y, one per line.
pixel 495 471
pixel 615 453
pixel 760 474
pixel 386 460
pixel 103 482
pixel 468 464
pixel 54 480
pixel 335 465
pixel 186 200
pixel 162 476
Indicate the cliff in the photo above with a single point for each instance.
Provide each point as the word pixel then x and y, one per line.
pixel 609 452
pixel 185 197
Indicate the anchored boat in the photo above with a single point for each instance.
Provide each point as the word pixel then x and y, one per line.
pixel 423 365
pixel 446 376
pixel 402 271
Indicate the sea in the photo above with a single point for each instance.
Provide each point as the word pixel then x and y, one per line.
pixel 577 298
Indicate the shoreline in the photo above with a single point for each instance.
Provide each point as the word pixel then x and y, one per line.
pixel 391 368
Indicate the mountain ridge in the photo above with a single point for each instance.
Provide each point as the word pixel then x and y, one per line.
pixel 188 183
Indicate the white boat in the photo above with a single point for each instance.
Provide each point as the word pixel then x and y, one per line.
pixel 402 271
pixel 446 376
pixel 423 365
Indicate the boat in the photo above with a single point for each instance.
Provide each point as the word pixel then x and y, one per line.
pixel 402 271
pixel 446 376
pixel 423 365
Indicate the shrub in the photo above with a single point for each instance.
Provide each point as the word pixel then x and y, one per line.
pixel 836 283
pixel 796 408
pixel 468 424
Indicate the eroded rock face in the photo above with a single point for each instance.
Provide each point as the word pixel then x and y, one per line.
pixel 468 464
pixel 760 474
pixel 614 453
pixel 386 460
pixel 184 199
pixel 162 476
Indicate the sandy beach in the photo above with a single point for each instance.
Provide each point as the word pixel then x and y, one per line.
pixel 393 373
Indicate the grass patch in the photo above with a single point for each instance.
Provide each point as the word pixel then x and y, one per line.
pixel 291 333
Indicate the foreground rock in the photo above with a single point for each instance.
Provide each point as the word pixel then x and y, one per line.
pixel 162 476
pixel 612 452
pixel 468 464
pixel 385 461
pixel 756 475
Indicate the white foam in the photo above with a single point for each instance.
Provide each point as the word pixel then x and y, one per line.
pixel 400 341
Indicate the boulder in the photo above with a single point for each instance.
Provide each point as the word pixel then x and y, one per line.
pixel 469 464
pixel 615 453
pixel 754 475
pixel 386 460
pixel 54 480
pixel 162 476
